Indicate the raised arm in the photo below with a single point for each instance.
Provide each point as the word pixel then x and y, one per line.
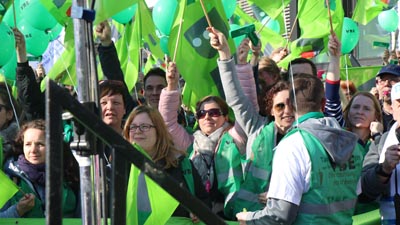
pixel 109 61
pixel 245 113
pixel 170 101
pixel 333 106
pixel 29 94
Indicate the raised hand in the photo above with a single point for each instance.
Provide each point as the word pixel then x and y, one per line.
pixel 20 46
pixel 172 77
pixel 218 41
pixel 103 32
pixel 334 46
pixel 243 51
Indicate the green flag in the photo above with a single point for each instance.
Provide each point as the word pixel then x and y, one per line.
pixel 128 47
pixel 272 7
pixel 105 9
pixel 64 69
pixel 367 10
pixel 194 48
pixel 1 151
pixel 8 188
pixel 269 38
pixel 313 19
pixel 154 208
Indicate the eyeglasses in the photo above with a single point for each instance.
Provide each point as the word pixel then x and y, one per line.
pixel 392 81
pixel 142 127
pixel 211 112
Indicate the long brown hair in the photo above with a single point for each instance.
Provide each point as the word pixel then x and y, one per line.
pixel 377 107
pixel 165 149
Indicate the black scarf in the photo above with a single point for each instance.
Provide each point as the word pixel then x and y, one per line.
pixel 35 172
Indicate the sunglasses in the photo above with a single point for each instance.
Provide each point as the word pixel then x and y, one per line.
pixel 211 112
pixel 279 107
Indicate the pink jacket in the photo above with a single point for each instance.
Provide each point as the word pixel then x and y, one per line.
pixel 170 102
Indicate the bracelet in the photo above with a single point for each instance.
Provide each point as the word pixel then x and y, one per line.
pixel 379 171
pixel 375 136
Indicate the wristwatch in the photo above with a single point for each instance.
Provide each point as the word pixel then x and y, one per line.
pixel 379 171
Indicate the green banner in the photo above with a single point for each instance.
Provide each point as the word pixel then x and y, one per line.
pixel 362 77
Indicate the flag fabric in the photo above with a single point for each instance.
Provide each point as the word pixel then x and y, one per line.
pixel 105 9
pixel 194 48
pixel 313 19
pixel 160 204
pixel 64 69
pixel 128 48
pixel 8 188
pixel 272 7
pixel 269 39
pixel 367 10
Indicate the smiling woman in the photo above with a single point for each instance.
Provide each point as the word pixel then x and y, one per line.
pixel 26 166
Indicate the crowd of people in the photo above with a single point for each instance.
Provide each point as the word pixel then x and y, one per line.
pixel 298 150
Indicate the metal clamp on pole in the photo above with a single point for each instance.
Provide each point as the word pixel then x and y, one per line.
pixel 78 12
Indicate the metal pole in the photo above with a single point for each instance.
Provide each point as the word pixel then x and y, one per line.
pixel 84 145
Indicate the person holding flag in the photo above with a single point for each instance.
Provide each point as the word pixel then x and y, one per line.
pixel 26 166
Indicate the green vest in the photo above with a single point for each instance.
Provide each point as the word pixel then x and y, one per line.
pixel 69 201
pixel 332 194
pixel 228 170
pixel 259 172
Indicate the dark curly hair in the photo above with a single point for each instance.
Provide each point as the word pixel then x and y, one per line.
pixel 269 97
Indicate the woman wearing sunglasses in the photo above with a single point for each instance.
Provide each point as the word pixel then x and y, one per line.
pixel 263 133
pixel 217 147
pixel 146 129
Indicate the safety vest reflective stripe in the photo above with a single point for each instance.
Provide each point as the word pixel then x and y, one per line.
pixel 259 173
pixel 247 195
pixel 233 172
pixel 326 209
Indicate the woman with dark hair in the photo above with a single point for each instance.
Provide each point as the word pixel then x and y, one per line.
pixel 9 113
pixel 263 133
pixel 145 128
pixel 217 147
pixel 26 167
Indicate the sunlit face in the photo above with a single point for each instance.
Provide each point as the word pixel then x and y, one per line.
pixel 34 146
pixel 145 139
pixel 282 110
pixel 152 90
pixel 113 110
pixel 209 123
pixel 5 115
pixel 362 112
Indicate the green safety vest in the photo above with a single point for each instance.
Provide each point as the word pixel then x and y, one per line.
pixel 69 201
pixel 258 174
pixel 229 172
pixel 332 194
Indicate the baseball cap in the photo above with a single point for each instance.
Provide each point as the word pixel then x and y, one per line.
pixel 395 91
pixel 390 69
